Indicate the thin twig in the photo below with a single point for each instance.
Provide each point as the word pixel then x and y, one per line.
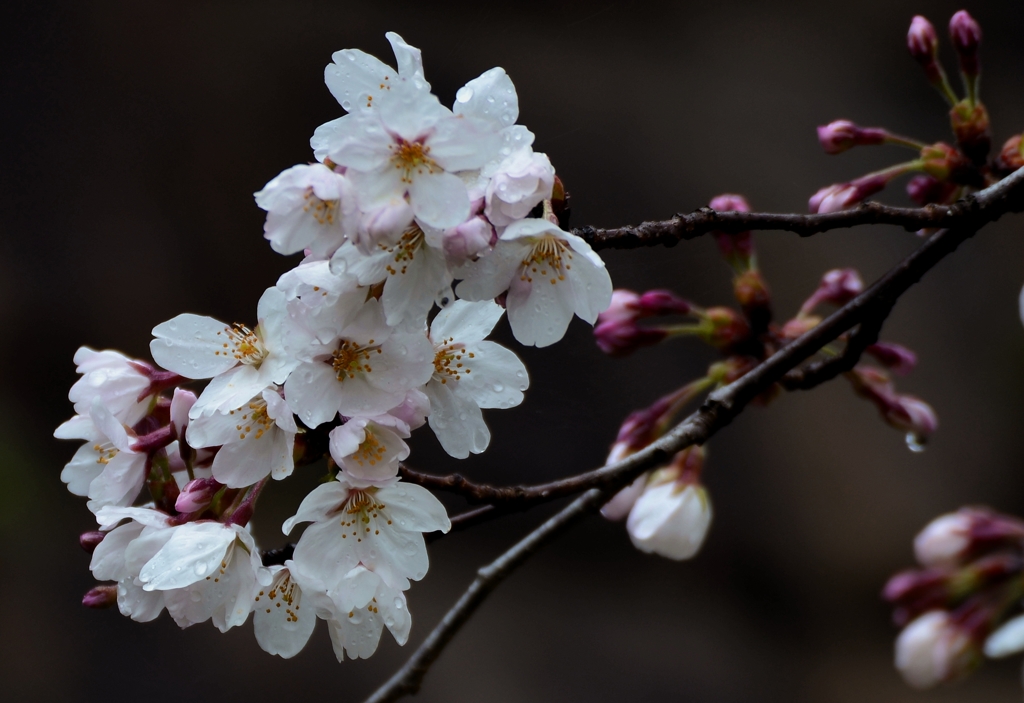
pixel 716 412
pixel 700 222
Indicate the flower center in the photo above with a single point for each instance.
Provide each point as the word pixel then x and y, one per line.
pixel 360 509
pixel 410 157
pixel 284 593
pixel 448 360
pixel 371 450
pixel 105 452
pixel 255 417
pixel 243 344
pixel 548 259
pixel 324 211
pixel 351 358
pixel 405 251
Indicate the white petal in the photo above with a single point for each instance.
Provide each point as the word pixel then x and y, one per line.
pixel 539 312
pixel 490 275
pixel 193 552
pixel 314 393
pixel 491 96
pixel 498 377
pixel 456 421
pixel 355 76
pixel 316 506
pixel 1007 640
pixel 439 199
pixel 418 507
pixel 191 345
pixel 466 322
pixel 282 620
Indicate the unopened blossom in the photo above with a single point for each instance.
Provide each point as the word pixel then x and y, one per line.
pixel 106 468
pixel 473 238
pixel 922 41
pixel 618 333
pixel 358 366
pixel 256 439
pixel 944 540
pixel 363 605
pixel 413 271
pixel 241 361
pixel 924 190
pixel 308 206
pixel 369 449
pixel 841 196
pixel 549 274
pixel 837 287
pixel 206 570
pixel 379 527
pixel 283 618
pixel 933 649
pixel 840 135
pixel 670 518
pixel 197 494
pixel 119 383
pixel 410 148
pixel 965 32
pixel 470 373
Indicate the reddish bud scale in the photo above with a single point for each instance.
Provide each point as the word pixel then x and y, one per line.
pixel 1012 155
pixel 736 249
pixel 100 597
pixel 90 540
pixel 755 299
pixel 727 329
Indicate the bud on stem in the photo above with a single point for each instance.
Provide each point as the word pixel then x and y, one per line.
pixel 923 43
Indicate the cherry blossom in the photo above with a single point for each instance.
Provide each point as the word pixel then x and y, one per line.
pixel 549 274
pixel 364 606
pixel 283 619
pixel 362 368
pixel 379 527
pixel 369 449
pixel 205 570
pixel 470 374
pixel 255 439
pixel 119 382
pixel 308 206
pixel 670 520
pixel 241 361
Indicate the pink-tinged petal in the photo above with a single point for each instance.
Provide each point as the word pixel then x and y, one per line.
pixel 439 199
pixel 193 346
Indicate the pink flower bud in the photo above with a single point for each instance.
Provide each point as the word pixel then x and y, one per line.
pixel 181 403
pixel 672 516
pixel 933 649
pixel 100 597
pixel 469 240
pixel 895 357
pixel 836 137
pixel 617 332
pixel 620 338
pixel 837 287
pixel 662 302
pixel 904 412
pixel 917 591
pixel 966 35
pixel 1011 157
pixel 924 190
pixel 841 196
pixel 729 202
pixel 90 540
pixel 197 495
pixel 922 41
pixel 944 541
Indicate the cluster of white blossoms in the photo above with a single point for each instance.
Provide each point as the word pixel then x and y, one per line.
pixel 361 343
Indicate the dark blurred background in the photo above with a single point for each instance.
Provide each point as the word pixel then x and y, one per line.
pixel 133 137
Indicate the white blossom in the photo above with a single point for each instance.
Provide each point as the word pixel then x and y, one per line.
pixel 205 570
pixel 379 527
pixel 256 440
pixel 241 361
pixel 115 559
pixel 470 374
pixel 361 367
pixel 549 275
pixel 308 206
pixel 283 617
pixel 370 449
pixel 364 606
pixel 114 379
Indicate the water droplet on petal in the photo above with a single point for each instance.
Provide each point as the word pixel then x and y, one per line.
pixel 465 94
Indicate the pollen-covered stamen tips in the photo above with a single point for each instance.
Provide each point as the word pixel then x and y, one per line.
pixel 448 360
pixel 323 211
pixel 412 156
pixel 105 452
pixel 351 358
pixel 549 259
pixel 358 511
pixel 243 344
pixel 405 251
pixel 255 418
pixel 283 593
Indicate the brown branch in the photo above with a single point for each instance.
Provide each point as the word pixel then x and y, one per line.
pixel 682 227
pixel 717 411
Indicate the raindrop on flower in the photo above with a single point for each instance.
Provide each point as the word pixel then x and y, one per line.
pixel 915 443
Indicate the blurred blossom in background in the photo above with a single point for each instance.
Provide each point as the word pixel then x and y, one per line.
pixel 135 135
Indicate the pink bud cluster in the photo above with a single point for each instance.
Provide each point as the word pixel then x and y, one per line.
pixel 952 607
